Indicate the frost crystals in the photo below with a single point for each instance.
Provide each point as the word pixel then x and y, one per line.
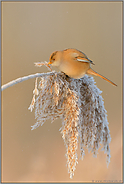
pixel 80 106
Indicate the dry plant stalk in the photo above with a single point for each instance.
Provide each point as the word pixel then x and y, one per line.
pixel 80 106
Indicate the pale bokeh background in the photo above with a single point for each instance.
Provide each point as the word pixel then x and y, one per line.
pixel 31 31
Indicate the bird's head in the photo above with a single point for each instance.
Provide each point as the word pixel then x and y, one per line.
pixel 55 58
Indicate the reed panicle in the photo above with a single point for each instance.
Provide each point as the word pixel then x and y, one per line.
pixel 78 102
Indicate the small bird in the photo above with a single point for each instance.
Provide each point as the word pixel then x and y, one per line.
pixel 74 63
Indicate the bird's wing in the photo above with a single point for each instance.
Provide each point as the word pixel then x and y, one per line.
pixel 83 59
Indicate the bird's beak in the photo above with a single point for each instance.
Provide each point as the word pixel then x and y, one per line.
pixel 49 63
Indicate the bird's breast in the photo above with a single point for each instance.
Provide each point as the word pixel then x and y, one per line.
pixel 73 68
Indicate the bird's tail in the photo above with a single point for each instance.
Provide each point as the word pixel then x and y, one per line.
pixel 92 72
